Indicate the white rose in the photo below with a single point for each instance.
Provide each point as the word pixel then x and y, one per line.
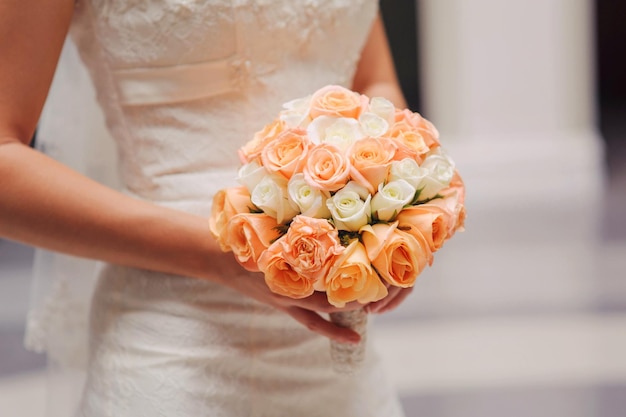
pixel 408 170
pixel 339 131
pixel 391 199
pixel 251 174
pixel 348 210
pixel 440 152
pixel 383 108
pixel 373 125
pixel 311 201
pixel 440 171
pixel 271 196
pixel 296 112
pixel 359 189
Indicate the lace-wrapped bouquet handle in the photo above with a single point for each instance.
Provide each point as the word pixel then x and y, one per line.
pixel 342 194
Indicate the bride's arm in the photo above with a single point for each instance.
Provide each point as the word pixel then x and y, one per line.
pixel 376 77
pixel 45 204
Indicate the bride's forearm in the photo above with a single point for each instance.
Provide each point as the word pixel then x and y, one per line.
pixel 376 75
pixel 45 204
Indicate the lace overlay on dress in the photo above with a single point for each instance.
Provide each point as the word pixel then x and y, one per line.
pixel 182 85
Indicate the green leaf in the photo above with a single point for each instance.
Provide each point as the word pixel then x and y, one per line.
pixel 281 229
pixel 255 209
pixel 416 196
pixel 436 196
pixel 345 237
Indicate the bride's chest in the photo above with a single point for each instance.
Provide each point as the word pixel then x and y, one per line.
pixel 172 32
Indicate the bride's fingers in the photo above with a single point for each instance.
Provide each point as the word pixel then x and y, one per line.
pixel 397 300
pixel 392 300
pixel 318 324
pixel 318 302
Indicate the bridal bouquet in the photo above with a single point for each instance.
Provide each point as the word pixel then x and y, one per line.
pixel 342 194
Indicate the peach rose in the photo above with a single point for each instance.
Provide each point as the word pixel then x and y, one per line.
pixel 352 278
pixel 370 159
pixel 454 204
pixel 249 235
pixel 410 138
pixel 337 101
pixel 310 246
pixel 285 154
pixel 425 128
pixel 459 225
pixel 459 209
pixel 426 221
pixel 397 256
pixel 326 168
pixel 227 203
pixel 455 210
pixel 252 150
pixel 429 132
pixel 280 277
pixel 456 185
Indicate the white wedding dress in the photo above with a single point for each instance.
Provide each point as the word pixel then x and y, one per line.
pixel 182 85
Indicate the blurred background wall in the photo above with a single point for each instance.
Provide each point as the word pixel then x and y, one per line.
pixel 529 98
pixel 524 313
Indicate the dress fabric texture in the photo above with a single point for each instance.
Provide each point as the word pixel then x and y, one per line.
pixel 182 85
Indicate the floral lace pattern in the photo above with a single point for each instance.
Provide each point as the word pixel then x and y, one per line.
pixel 164 345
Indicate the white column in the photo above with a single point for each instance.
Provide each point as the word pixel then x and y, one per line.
pixel 502 66
pixel 509 85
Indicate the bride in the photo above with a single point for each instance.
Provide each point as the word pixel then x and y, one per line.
pixel 177 328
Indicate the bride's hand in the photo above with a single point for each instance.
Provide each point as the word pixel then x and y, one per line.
pixel 393 299
pixel 305 310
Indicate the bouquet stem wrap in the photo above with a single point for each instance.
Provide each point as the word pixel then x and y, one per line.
pixel 348 358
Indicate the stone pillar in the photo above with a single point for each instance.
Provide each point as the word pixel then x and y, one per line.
pixel 510 86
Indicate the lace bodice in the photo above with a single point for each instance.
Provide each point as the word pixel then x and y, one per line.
pixel 184 83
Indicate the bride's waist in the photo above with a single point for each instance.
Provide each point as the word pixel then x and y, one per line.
pixel 123 290
pixel 188 191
